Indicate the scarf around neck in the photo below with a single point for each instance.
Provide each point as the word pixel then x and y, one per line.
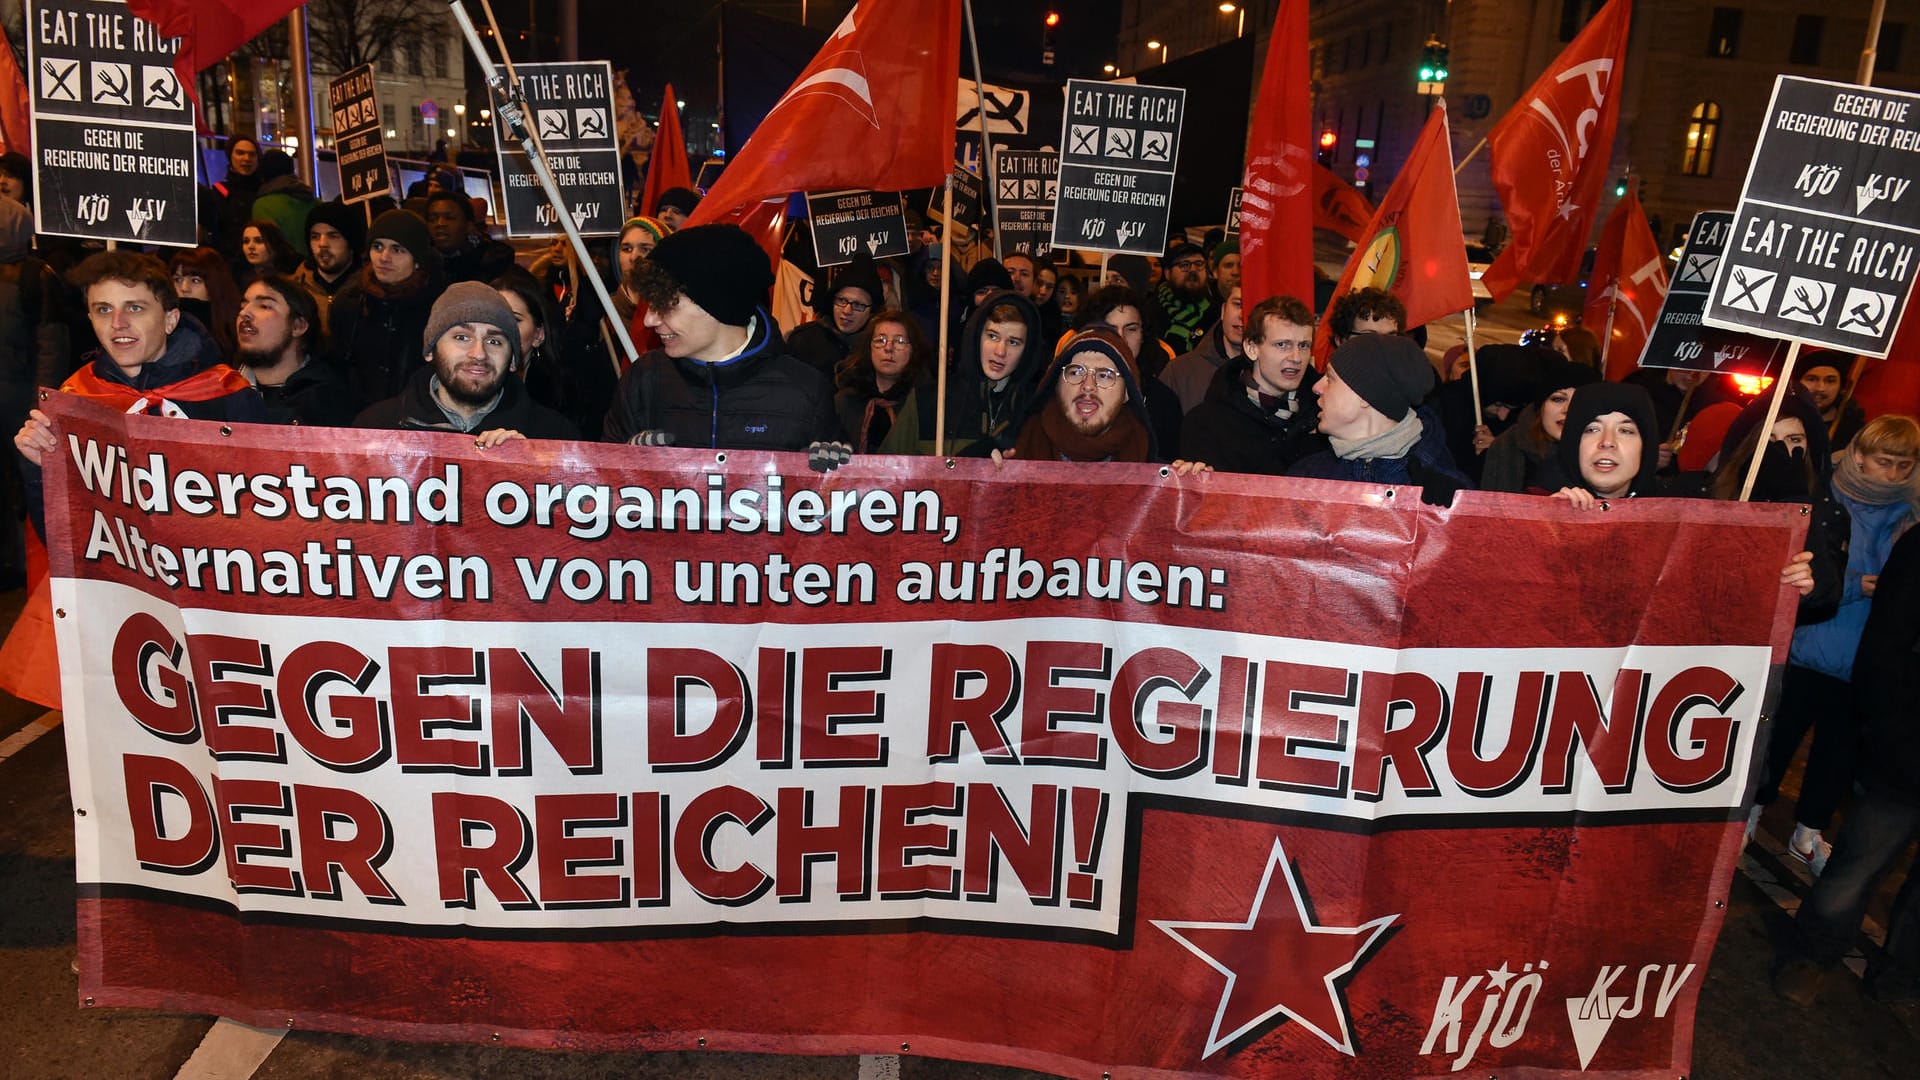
pixel 1853 482
pixel 1391 443
pixel 1050 436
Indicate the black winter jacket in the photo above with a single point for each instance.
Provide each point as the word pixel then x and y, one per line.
pixel 1886 675
pixel 762 399
pixel 414 409
pixel 1230 432
pixel 378 340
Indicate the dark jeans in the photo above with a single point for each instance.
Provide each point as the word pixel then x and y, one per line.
pixel 1876 832
pixel 1809 699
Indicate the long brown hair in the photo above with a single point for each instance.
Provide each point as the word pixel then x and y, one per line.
pixel 223 296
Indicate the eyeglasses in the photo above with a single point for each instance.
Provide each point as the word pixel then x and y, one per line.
pixel 854 306
pixel 1189 264
pixel 892 342
pixel 1078 373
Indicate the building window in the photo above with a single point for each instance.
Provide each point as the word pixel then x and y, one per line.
pixel 1366 47
pixel 1575 14
pixel 1703 130
pixel 1807 30
pixel 1887 52
pixel 1724 39
pixel 386 113
pixel 439 61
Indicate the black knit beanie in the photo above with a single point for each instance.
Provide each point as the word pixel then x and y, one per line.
pixel 351 221
pixel 1389 372
pixel 406 228
pixel 719 267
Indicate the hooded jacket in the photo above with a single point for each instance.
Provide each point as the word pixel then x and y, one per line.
pixel 762 399
pixel 1231 432
pixel 1191 374
pixel 315 395
pixel 980 415
pixel 285 201
pixel 1596 400
pixel 33 331
pixel 820 344
pixel 1045 396
pixel 414 409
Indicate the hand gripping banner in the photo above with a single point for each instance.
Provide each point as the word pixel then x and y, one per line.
pixel 1085 769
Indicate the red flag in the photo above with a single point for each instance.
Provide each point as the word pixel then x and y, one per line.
pixel 1337 206
pixel 16 127
pixel 1630 276
pixel 209 30
pixel 668 166
pixel 1413 246
pixel 1549 155
pixel 873 110
pixel 1276 205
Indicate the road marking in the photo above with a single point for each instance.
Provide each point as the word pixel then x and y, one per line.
pixel 231 1051
pixel 879 1067
pixel 21 739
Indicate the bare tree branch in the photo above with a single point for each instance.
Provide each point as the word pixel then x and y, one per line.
pixel 343 34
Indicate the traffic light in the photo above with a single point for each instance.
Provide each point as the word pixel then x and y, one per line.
pixel 1433 66
pixel 1053 19
pixel 1328 140
pixel 1620 188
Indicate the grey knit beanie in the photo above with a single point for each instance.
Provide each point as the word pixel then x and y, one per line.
pixel 471 302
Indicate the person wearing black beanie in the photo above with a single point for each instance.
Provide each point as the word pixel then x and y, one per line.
pixel 1370 410
pixel 376 322
pixel 721 378
pixel 334 235
pixel 1526 457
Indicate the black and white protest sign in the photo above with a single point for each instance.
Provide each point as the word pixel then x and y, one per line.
pixel 1679 338
pixel 570 106
pixel 1025 182
pixel 1233 211
pixel 850 223
pixel 966 197
pixel 113 140
pixel 360 149
pixel 1824 242
pixel 1118 148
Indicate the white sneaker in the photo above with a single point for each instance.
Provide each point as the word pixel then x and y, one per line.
pixel 1753 822
pixel 1809 847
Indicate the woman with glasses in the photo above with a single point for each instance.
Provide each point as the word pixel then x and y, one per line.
pixel 889 358
pixel 844 308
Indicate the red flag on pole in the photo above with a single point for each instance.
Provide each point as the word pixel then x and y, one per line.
pixel 873 110
pixel 16 127
pixel 1549 155
pixel 668 166
pixel 1413 247
pixel 1630 277
pixel 209 30
pixel 1337 206
pixel 1277 203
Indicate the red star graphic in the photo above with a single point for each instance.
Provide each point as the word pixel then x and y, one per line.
pixel 1279 962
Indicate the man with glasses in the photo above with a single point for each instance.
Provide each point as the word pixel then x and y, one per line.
pixel 1186 296
pixel 1090 408
pixel 844 309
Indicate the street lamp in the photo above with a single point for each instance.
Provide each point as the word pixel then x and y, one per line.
pixel 1110 69
pixel 1163 49
pixel 1229 9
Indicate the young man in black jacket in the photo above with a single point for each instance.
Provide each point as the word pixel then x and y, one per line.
pixel 722 377
pixel 467 384
pixel 279 333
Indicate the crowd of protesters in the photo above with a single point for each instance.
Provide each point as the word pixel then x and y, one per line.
pixel 303 312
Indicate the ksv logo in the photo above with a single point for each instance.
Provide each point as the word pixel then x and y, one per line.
pixel 1591 1017
pixel 1506 1004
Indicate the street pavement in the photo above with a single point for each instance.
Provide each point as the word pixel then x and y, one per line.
pixel 1742 1031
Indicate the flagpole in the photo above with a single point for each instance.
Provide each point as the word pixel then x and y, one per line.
pixel 1477 147
pixel 1680 419
pixel 1613 301
pixel 1473 370
pixel 1773 413
pixel 946 302
pixel 986 146
pixel 513 117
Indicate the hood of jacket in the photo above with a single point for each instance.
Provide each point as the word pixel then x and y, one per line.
pixel 1599 399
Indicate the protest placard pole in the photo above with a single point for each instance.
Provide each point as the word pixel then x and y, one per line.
pixel 1869 52
pixel 986 145
pixel 1680 417
pixel 1473 370
pixel 1773 413
pixel 1606 337
pixel 946 301
pixel 508 101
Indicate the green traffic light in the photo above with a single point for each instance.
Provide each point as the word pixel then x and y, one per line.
pixel 1440 75
pixel 1426 74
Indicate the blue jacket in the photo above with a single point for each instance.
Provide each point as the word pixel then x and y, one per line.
pixel 1829 647
pixel 1428 456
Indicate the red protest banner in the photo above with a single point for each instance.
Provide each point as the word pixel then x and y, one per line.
pixel 1086 769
